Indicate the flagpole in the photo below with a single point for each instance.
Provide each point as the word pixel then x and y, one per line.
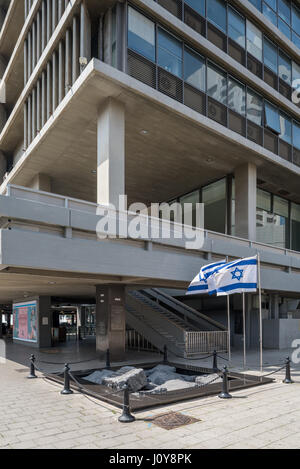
pixel 229 328
pixel 260 314
pixel 244 328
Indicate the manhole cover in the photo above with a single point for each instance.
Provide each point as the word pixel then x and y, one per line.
pixel 172 420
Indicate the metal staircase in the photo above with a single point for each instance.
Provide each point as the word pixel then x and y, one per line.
pixel 165 324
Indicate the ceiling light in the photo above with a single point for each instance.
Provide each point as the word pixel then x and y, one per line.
pixel 94 171
pixel 144 132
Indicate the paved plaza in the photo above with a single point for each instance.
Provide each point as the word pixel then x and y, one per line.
pixel 35 415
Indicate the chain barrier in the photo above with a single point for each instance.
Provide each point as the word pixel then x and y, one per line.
pixel 70 363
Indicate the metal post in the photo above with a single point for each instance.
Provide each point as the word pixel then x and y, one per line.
pixel 32 374
pixel 126 416
pixel 288 379
pixel 225 394
pixel 244 328
pixel 215 361
pixel 260 314
pixel 229 328
pixel 67 389
pixel 165 354
pixel 107 359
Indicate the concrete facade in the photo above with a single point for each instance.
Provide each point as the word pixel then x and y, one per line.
pixel 80 126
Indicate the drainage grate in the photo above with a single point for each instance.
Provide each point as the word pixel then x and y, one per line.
pixel 172 420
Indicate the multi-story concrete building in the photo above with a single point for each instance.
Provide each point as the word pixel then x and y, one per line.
pixel 192 101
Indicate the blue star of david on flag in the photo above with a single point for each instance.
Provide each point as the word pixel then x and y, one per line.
pixel 237 274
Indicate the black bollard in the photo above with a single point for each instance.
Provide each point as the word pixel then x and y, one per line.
pixel 165 354
pixel 225 394
pixel 215 361
pixel 107 359
pixel 126 416
pixel 32 374
pixel 288 378
pixel 67 389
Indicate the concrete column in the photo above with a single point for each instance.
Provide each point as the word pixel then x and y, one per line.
pixel 43 99
pixel 110 320
pixel 245 201
pixel 68 61
pixel 38 106
pixel 54 14
pixel 25 62
pixel 61 71
pixel 33 45
pixel 25 126
pixel 33 113
pixel 274 306
pixel 38 35
pixel 54 81
pixel 41 182
pixel 29 120
pixel 85 32
pixel 29 61
pixel 49 19
pixel 75 53
pixel 44 24
pixel 111 153
pixel 49 94
pixel 61 8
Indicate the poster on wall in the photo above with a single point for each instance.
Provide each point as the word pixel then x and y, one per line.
pixel 25 321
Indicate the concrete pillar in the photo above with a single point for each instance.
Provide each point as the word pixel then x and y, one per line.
pixel 25 62
pixel 54 14
pixel 44 321
pixel 111 153
pixel 274 306
pixel 43 100
pixel 44 24
pixel 25 126
pixel 85 32
pixel 61 71
pixel 33 113
pixel 34 46
pixel 29 59
pixel 68 61
pixel 49 19
pixel 75 52
pixel 29 120
pixel 38 35
pixel 245 201
pixel 49 89
pixel 41 182
pixel 54 81
pixel 110 320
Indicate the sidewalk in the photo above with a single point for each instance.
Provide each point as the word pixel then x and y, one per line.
pixel 35 415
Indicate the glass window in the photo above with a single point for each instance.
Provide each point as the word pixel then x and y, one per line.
pixel 284 28
pixel 281 206
pixel 141 34
pixel 295 219
pixel 236 96
pixel 216 13
pixel 270 55
pixel 194 69
pixel 272 4
pixel 217 84
pixel 295 18
pixel 296 135
pixel 236 27
pixel 270 14
pixel 214 199
pixel 295 75
pixel 190 211
pixel 254 41
pixel 263 200
pixel 284 10
pixel 272 120
pixel 286 128
pixel 254 107
pixel 281 222
pixel 285 68
pixel 114 38
pixel 256 3
pixel 169 53
pixel 296 39
pixel 197 5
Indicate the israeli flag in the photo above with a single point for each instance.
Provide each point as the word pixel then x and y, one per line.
pixel 200 285
pixel 235 277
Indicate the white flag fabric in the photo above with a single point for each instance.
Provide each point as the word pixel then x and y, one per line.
pixel 235 277
pixel 200 285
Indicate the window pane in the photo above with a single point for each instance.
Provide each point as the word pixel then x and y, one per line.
pixel 236 27
pixel 286 128
pixel 214 199
pixel 270 55
pixel 285 68
pixel 295 216
pixel 270 14
pixel 169 53
pixel 284 10
pixel 296 39
pixel 194 69
pixel 197 5
pixel 284 28
pixel 281 206
pixel 272 4
pixel 190 213
pixel 216 13
pixel 216 84
pixel 256 3
pixel 264 200
pixel 254 107
pixel 295 18
pixel 272 118
pixel 295 75
pixel 254 41
pixel 236 96
pixel 141 34
pixel 296 136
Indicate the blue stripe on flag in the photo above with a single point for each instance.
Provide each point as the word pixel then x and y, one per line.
pixel 198 287
pixel 236 286
pixel 235 264
pixel 211 266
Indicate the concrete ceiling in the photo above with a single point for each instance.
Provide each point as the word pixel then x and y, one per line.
pixel 176 156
